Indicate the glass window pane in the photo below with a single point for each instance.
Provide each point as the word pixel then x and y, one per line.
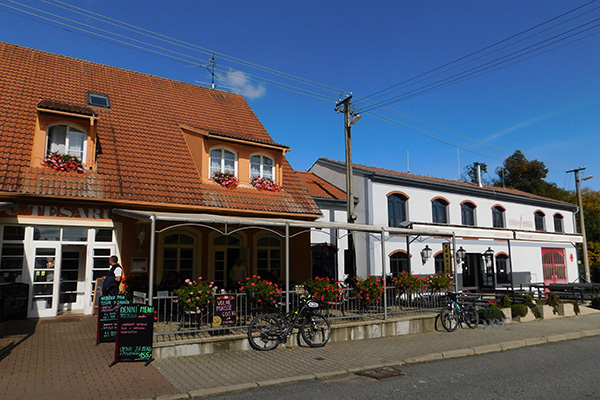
pixel 268 162
pixel 104 235
pixel 46 233
pixel 255 160
pixel 15 249
pixel 185 239
pixel 57 136
pixel 14 233
pixel 75 234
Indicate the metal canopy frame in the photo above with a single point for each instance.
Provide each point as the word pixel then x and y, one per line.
pixel 416 229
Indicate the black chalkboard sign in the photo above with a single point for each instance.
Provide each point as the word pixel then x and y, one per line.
pixel 14 298
pixel 135 333
pixel 225 310
pixel 108 317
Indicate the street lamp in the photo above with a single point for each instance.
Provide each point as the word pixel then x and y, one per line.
pixel 489 254
pixel 461 254
pixel 426 254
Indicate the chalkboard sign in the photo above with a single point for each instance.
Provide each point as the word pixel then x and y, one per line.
pixel 225 310
pixel 14 298
pixel 108 310
pixel 135 333
pixel 97 294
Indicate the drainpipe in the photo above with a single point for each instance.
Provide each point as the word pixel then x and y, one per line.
pixel 287 267
pixel 151 266
pixel 384 274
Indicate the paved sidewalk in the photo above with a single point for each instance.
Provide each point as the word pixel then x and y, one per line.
pixel 57 358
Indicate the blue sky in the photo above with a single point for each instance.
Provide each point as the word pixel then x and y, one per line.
pixel 543 102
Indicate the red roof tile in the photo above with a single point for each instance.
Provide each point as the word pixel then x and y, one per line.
pixel 144 157
pixel 319 187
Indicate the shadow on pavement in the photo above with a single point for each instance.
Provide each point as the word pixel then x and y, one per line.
pixel 13 333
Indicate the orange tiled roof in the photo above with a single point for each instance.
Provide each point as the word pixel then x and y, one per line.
pixel 319 187
pixel 144 157
pixel 389 172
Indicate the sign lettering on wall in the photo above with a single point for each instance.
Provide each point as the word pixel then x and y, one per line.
pixel 50 211
pixel 447 258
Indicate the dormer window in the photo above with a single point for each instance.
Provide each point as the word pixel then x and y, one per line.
pixel 98 100
pixel 222 160
pixel 262 166
pixel 67 139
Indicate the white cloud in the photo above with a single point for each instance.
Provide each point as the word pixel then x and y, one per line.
pixel 240 84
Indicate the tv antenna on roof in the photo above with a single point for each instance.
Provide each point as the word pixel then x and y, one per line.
pixel 210 67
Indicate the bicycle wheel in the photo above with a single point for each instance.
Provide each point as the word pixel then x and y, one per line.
pixel 449 319
pixel 471 317
pixel 315 330
pixel 263 332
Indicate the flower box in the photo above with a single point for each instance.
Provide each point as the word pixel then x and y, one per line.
pixel 527 318
pixel 546 311
pixel 225 179
pixel 566 309
pixel 265 184
pixel 507 315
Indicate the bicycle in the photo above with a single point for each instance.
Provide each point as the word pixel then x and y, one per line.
pixel 458 311
pixel 267 331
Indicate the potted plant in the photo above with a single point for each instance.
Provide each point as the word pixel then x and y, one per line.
pixel 63 162
pixel 324 290
pixel 225 179
pixel 369 290
pixel 193 296
pixel 439 282
pixel 265 184
pixel 264 291
pixel 408 283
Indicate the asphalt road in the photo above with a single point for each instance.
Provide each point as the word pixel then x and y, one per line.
pixel 563 370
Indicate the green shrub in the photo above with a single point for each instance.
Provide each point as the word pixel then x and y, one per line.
pixel 491 313
pixel 553 299
pixel 537 313
pixel 596 302
pixel 595 272
pixel 518 310
pixel 529 300
pixel 575 306
pixel 505 302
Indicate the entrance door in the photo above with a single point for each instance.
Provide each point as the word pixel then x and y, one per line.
pixel 226 250
pixel 471 267
pixel 486 273
pixel 44 299
pixel 553 263
pixel 72 279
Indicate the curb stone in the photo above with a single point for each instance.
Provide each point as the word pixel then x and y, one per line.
pixel 178 396
pixel 221 390
pixel 536 341
pixel 513 344
pixel 487 348
pixel 290 379
pixel 557 338
pixel 425 358
pixel 458 353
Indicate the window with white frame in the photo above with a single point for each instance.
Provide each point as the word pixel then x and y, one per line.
pixel 222 160
pixel 396 210
pixel 268 257
pixel 67 139
pixel 558 223
pixel 467 212
pixel 262 166
pixel 498 217
pixel 399 263
pixel 539 221
pixel 439 209
pixel 12 254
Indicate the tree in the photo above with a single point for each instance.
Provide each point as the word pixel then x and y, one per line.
pixel 519 173
pixel 471 173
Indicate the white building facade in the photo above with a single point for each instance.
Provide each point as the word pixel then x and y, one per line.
pixel 506 237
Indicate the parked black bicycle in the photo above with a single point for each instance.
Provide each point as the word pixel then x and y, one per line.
pixel 267 331
pixel 457 311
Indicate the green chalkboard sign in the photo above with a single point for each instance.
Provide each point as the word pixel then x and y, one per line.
pixel 108 309
pixel 135 331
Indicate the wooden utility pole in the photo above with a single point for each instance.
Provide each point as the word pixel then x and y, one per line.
pixel 584 250
pixel 350 256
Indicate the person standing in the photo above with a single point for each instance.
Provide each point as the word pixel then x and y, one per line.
pixel 112 280
pixel 238 274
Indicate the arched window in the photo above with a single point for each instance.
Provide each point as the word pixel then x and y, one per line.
pixel 222 160
pixel 498 217
pixel 396 209
pixel 399 263
pixel 439 263
pixel 262 166
pixel 502 270
pixel 558 223
pixel 539 221
pixel 178 255
pixel 268 257
pixel 467 212
pixel 67 139
pixel 439 208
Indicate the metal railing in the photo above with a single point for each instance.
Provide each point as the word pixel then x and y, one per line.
pixel 175 323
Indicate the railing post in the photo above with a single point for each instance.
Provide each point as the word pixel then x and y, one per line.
pixel 384 275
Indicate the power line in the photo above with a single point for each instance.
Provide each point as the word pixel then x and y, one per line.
pixel 479 51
